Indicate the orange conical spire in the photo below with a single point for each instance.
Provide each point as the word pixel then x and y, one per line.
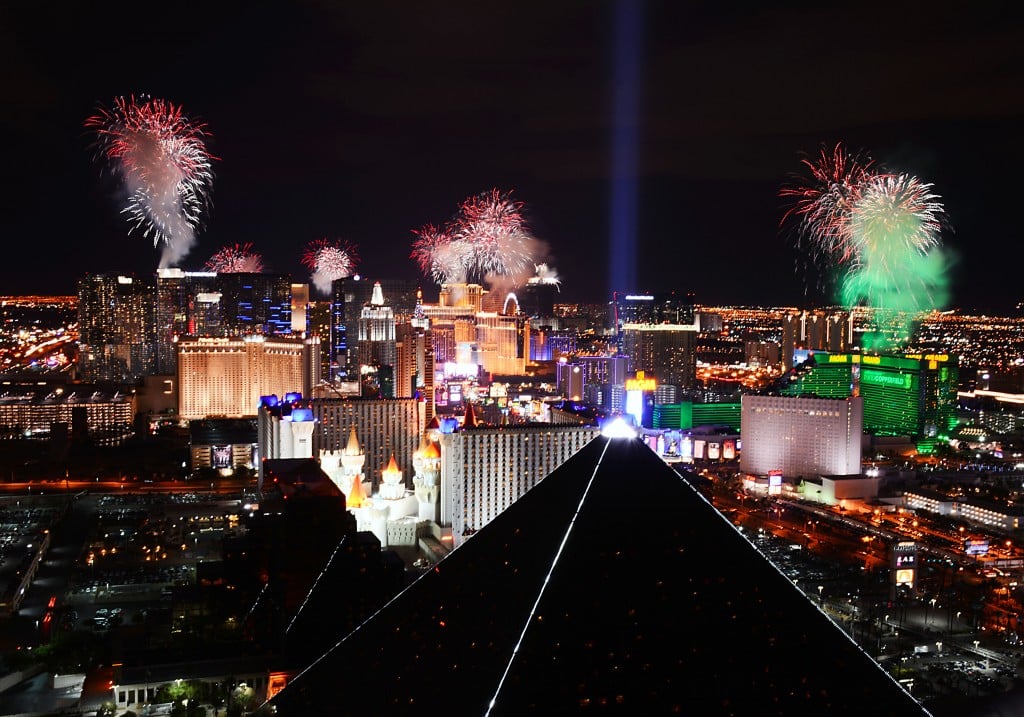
pixel 392 466
pixel 470 420
pixel 353 443
pixel 431 450
pixel 355 496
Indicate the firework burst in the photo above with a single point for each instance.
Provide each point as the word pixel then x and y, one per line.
pixel 161 157
pixel 488 240
pixel 236 259
pixel 441 256
pixel 492 224
pixel 876 231
pixel 329 260
pixel 546 275
pixel 824 198
pixel 894 228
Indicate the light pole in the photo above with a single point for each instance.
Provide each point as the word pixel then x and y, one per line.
pixel 820 588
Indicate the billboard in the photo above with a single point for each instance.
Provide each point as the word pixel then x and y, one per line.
pixel 975 547
pixel 729 450
pixel 455 393
pixel 905 576
pixel 640 383
pixel 220 456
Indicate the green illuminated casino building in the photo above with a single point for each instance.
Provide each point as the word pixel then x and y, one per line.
pixel 910 395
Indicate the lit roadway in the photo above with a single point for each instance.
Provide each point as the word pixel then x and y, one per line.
pixel 222 486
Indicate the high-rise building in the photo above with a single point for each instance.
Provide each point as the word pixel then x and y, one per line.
pixel 205 303
pixel 801 437
pixel 226 377
pixel 300 306
pixel 255 303
pixel 485 470
pixel 589 378
pixel 117 328
pixel 319 320
pixel 666 351
pixel 536 298
pixel 452 320
pixel 414 370
pixel 348 297
pixel 911 395
pixel 187 304
pixel 638 308
pixel 502 342
pixel 376 345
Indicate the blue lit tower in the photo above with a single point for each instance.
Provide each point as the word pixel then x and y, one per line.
pixel 255 303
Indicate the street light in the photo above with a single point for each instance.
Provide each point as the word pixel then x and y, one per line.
pixel 820 588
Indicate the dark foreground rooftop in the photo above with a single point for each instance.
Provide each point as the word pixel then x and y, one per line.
pixel 612 586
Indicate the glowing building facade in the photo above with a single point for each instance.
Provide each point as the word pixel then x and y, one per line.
pixel 348 297
pixel 502 342
pixel 910 395
pixel 117 328
pixel 801 437
pixel 485 470
pixel 666 351
pixel 40 410
pixel 376 332
pixel 225 377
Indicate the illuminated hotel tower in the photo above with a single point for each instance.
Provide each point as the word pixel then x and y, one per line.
pixel 284 429
pixel 668 351
pixel 117 328
pixel 226 377
pixel 377 348
pixel 806 437
pixel 503 339
pixel 485 470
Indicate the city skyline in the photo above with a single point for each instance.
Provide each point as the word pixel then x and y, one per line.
pixel 349 123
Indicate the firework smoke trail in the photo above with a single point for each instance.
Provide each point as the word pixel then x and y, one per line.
pixel 237 259
pixel 329 260
pixel 161 157
pixel 899 266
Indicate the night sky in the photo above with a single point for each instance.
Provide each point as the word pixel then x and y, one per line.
pixel 365 120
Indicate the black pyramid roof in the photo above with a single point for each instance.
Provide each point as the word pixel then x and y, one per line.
pixel 612 586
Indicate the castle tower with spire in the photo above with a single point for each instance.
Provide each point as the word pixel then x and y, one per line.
pixel 392 485
pixel 427 480
pixel 345 469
